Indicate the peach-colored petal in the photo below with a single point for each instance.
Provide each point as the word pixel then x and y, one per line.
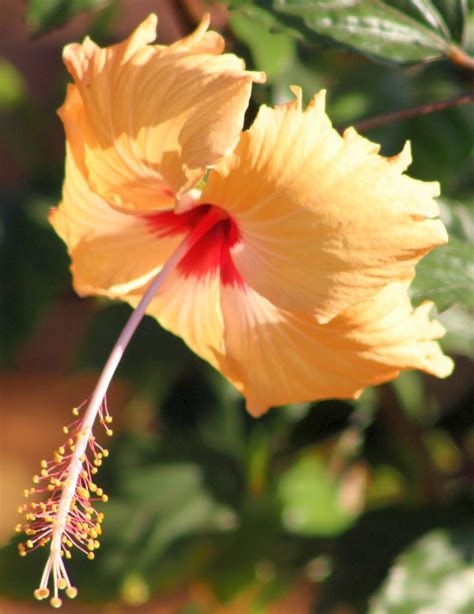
pixel 112 253
pixel 276 357
pixel 153 118
pixel 325 221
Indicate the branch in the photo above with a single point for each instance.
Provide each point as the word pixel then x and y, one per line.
pixel 370 123
pixel 458 57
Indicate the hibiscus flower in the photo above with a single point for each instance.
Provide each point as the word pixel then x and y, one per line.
pixel 282 255
pixel 295 225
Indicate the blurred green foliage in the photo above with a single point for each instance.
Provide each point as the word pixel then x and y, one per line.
pixel 42 16
pixel 337 493
pixel 435 572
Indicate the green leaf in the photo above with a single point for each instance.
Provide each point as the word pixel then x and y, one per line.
pixel 400 31
pixel 434 574
pixel 44 14
pixel 311 499
pixel 164 503
pixel 455 14
pixel 271 52
pixel 12 85
pixel 459 324
pixel 362 557
pixel 446 276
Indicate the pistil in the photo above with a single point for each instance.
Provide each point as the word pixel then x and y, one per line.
pixel 67 518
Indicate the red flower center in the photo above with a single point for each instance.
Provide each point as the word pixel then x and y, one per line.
pixel 217 233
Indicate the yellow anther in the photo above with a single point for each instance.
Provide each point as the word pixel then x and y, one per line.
pixel 71 592
pixel 75 411
pixel 94 470
pixel 41 593
pixel 44 473
pixel 50 487
pixel 100 492
pixel 36 479
pixel 93 487
pixel 105 498
pixel 109 432
pixel 29 544
pixel 26 492
pixel 97 462
pixel 55 602
pixel 67 554
pixel 91 556
pixel 105 453
pixel 90 544
pixel 18 528
pixel 62 584
pixel 43 465
pixel 96 544
pixel 93 533
pixel 58 458
pixel 61 450
pixel 108 419
pixel 69 543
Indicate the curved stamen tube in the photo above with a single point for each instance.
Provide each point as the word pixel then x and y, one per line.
pixel 67 518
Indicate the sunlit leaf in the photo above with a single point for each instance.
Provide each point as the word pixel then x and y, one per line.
pixel 402 31
pixel 446 276
pixel 435 574
pixel 311 499
pixel 381 29
pixel 363 556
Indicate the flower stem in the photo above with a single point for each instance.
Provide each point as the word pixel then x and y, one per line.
pixel 371 123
